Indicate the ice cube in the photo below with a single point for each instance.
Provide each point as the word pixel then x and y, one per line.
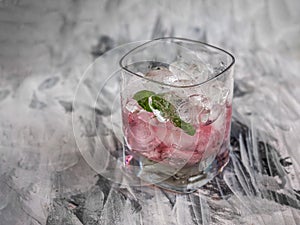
pixel 184 111
pixel 193 72
pixel 183 82
pixel 214 113
pixel 131 84
pixel 139 135
pixel 176 138
pixel 219 123
pixel 219 68
pixel 218 93
pixel 171 79
pixel 160 129
pixel 200 71
pixel 174 97
pixel 161 74
pixel 132 106
pixel 203 117
pixel 200 108
pixel 181 71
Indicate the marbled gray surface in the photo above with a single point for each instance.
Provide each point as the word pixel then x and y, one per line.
pixel 45 46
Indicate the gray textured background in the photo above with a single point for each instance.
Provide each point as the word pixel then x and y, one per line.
pixel 45 46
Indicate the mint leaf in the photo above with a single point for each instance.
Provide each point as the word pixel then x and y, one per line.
pixel 142 97
pixel 186 127
pixel 166 108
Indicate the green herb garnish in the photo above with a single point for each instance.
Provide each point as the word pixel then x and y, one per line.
pixel 142 97
pixel 148 100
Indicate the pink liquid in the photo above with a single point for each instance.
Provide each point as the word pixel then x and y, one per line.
pixel 165 143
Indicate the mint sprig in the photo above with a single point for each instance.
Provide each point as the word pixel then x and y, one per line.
pixel 145 98
pixel 142 97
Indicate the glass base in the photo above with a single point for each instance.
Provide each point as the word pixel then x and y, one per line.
pixel 184 180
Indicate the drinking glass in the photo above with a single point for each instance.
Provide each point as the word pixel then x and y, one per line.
pixel 176 101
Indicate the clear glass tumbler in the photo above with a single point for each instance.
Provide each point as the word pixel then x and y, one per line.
pixel 176 99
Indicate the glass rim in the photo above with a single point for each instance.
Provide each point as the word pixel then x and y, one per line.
pixel 121 61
